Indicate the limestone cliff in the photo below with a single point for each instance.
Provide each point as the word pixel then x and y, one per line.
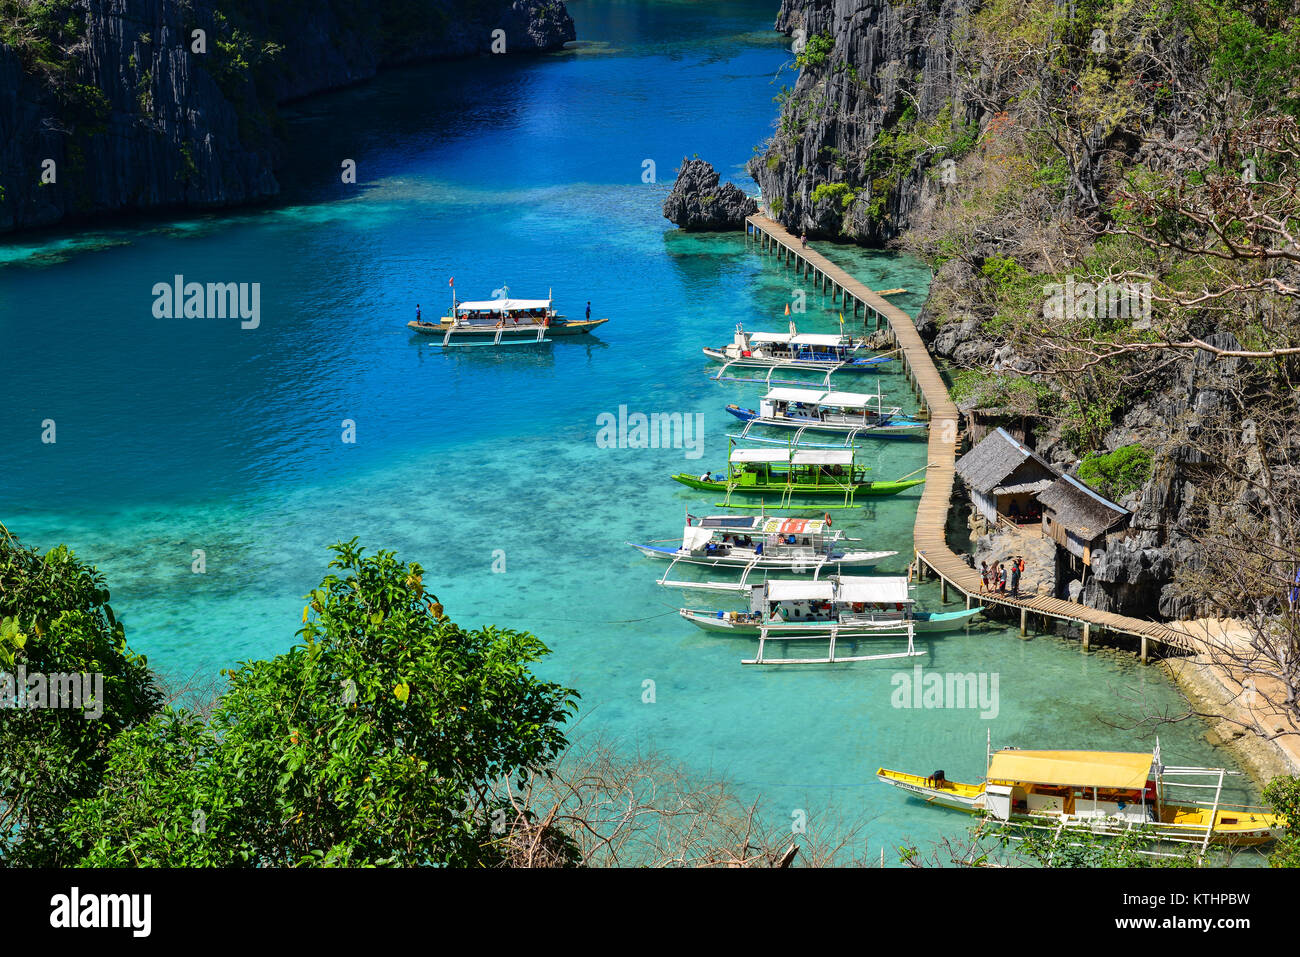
pixel 875 109
pixel 136 112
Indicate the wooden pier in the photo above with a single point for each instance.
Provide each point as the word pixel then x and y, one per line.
pixel 930 543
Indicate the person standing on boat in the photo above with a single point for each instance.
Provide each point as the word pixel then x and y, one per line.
pixel 417 312
pixel 589 310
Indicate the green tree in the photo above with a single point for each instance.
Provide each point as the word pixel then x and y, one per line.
pixel 55 619
pixel 382 739
pixel 1283 796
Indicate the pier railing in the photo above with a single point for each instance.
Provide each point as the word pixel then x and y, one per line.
pixel 929 537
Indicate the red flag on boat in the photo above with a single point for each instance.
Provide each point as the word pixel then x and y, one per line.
pixel 787 309
pixel 451 281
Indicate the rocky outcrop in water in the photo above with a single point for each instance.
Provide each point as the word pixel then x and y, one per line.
pixel 697 202
pixel 868 67
pixel 116 105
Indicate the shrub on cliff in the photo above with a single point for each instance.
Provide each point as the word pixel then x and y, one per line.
pixel 1116 474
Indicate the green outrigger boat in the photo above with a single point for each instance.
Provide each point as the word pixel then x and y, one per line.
pixel 786 473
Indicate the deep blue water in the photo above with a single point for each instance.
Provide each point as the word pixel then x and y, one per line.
pixel 183 434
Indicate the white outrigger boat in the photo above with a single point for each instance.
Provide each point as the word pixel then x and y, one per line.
pixel 854 414
pixel 833 609
pixel 810 352
pixel 1105 792
pixel 749 542
pixel 502 322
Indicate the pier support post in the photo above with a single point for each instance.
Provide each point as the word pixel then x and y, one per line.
pixel 1024 618
pixel 968 602
pixel 1087 629
pixel 943 591
pixel 1144 649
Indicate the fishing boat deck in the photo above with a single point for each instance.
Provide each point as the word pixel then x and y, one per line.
pixel 929 535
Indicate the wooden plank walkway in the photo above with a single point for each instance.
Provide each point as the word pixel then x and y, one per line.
pixel 929 533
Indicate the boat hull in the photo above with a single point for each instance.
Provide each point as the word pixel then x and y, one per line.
pixel 898 428
pixel 856 364
pixel 802 563
pixel 827 490
pixel 922 623
pixel 1182 824
pixel 563 328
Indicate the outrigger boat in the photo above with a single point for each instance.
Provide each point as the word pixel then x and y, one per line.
pixel 1105 792
pixel 810 352
pixel 503 322
pixel 791 472
pixel 749 542
pixel 834 609
pixel 854 414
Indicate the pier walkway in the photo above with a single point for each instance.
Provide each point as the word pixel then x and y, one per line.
pixel 929 538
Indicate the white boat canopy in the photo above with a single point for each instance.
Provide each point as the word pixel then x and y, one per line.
pixel 847 400
pixel 503 305
pixel 883 589
pixel 819 457
pixel 811 396
pixel 769 336
pixel 800 591
pixel 760 455
pixel 814 339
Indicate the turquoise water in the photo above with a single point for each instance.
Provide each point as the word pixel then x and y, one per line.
pixel 183 434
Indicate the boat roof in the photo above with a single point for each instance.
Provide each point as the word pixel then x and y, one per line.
pixel 816 339
pixel 885 589
pixel 879 588
pixel 793 526
pixel 798 457
pixel 795 395
pixel 760 455
pixel 770 337
pixel 823 590
pixel 500 305
pixel 852 400
pixel 820 457
pixel 1100 769
pixel 731 521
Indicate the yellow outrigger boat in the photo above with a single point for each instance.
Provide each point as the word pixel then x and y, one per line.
pixel 1106 792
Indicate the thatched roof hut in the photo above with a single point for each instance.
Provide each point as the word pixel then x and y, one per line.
pixel 1077 518
pixel 1001 473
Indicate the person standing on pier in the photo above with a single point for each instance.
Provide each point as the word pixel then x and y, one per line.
pixel 984 576
pixel 1015 577
pixel 803 239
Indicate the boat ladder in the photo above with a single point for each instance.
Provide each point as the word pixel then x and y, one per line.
pixel 1214 813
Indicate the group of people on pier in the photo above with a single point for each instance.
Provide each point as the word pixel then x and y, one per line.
pixel 996 578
